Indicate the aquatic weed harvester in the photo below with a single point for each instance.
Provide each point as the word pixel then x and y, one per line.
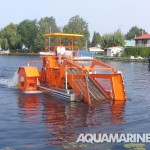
pixel 60 74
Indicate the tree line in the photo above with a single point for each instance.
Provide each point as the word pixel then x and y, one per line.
pixel 29 34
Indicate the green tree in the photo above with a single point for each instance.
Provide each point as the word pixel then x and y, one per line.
pixel 9 37
pixel 47 25
pixel 107 40
pixel 113 39
pixel 39 43
pixel 96 39
pixel 78 26
pixel 4 44
pixel 134 31
pixel 118 38
pixel 28 30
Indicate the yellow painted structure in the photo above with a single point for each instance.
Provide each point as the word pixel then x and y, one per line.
pixel 28 78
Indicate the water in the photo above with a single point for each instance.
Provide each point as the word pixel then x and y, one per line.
pixel 42 121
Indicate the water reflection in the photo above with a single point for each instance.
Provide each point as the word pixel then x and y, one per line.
pixel 118 112
pixel 63 120
pixel 29 105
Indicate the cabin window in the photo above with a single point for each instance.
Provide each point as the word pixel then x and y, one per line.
pixel 22 80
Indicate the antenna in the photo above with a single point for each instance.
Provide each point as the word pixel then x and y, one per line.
pixel 49 39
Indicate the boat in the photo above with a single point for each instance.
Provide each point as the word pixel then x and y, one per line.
pixel 84 55
pixel 46 53
pixel 71 79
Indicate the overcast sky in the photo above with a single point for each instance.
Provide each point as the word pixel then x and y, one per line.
pixel 103 16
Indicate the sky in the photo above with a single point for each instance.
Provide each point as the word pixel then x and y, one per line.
pixel 103 16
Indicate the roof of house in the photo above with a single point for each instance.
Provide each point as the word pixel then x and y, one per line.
pixel 144 36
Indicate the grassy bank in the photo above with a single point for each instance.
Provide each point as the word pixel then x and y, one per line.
pixel 126 59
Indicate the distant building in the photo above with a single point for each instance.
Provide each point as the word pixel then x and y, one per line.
pixel 142 41
pixel 114 50
pixel 129 43
pixel 96 49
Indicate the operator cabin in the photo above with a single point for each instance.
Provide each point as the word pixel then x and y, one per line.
pixel 61 50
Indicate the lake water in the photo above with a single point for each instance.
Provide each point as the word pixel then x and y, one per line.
pixel 44 122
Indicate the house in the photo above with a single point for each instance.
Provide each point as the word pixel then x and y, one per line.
pixel 142 41
pixel 114 50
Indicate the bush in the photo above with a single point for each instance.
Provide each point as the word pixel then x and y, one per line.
pixel 137 51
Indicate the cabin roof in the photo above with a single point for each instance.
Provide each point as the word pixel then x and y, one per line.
pixel 62 35
pixel 30 71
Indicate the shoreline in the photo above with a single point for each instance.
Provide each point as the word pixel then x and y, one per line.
pixel 125 59
pixel 21 54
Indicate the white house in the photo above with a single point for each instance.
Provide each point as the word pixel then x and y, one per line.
pixel 111 51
